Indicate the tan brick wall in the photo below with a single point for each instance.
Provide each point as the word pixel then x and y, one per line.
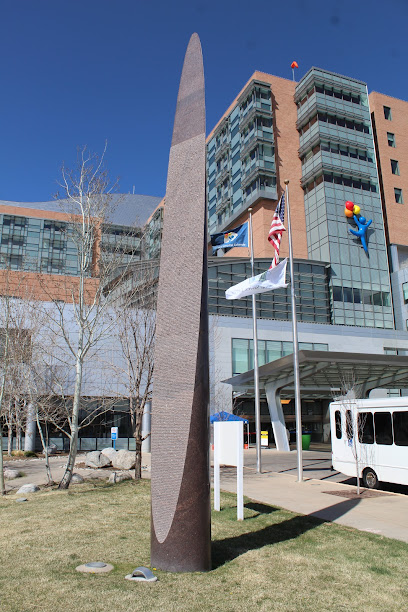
pixel 396 214
pixel 44 287
pixel 288 167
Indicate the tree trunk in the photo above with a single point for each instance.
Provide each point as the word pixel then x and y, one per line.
pixel 2 485
pixel 9 440
pixel 18 438
pixel 44 444
pixel 138 463
pixel 73 441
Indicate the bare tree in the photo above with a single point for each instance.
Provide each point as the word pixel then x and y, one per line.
pixel 15 355
pixel 351 390
pixel 136 328
pixel 81 320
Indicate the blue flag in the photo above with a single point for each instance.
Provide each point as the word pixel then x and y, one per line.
pixel 237 237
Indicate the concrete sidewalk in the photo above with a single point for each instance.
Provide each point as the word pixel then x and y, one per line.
pixel 386 514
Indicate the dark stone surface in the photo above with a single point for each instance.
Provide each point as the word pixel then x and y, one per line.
pixel 181 532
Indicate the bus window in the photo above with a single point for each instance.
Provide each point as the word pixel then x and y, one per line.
pixel 337 419
pixel 383 427
pixel 365 427
pixel 400 421
pixel 349 425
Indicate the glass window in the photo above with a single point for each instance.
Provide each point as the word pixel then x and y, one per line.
pixel 365 427
pixel 405 292
pixel 337 419
pixel 400 422
pixel 387 113
pixel 274 350
pixel 240 356
pixel 398 195
pixel 395 167
pixel 349 425
pixel 383 427
pixel 391 139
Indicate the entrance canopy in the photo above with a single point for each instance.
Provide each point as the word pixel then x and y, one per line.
pixel 323 372
pixel 322 375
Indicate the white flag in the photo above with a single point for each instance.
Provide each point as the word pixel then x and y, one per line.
pixel 274 278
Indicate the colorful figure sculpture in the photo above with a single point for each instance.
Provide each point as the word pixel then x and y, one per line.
pixel 362 225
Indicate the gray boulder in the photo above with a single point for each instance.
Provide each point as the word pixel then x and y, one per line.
pixel 76 479
pixel 119 476
pixel 124 460
pixel 109 452
pixel 95 459
pixel 52 449
pixel 28 488
pixel 9 474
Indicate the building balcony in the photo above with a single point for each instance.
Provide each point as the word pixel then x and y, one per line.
pixel 259 168
pixel 222 176
pixel 253 113
pixel 222 149
pixel 320 165
pixel 223 204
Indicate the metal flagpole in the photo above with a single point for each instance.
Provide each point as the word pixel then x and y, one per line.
pixel 256 368
pixel 298 408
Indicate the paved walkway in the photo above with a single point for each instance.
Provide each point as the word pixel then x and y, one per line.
pixel 386 514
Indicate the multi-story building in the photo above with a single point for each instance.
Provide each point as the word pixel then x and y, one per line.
pixel 390 123
pixel 319 135
pixel 39 261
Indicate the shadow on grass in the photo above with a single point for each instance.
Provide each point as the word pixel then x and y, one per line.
pixel 229 548
pixel 259 509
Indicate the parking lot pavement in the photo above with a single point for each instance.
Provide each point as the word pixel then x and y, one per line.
pixel 316 463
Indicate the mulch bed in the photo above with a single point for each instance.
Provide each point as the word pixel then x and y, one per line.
pixel 365 494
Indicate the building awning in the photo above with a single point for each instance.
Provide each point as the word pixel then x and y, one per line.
pixel 323 373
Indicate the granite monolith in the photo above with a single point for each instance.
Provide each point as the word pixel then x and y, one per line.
pixel 181 529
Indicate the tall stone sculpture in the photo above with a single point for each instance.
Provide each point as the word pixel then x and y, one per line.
pixel 181 530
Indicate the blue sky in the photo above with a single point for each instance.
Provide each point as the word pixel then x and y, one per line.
pixel 77 72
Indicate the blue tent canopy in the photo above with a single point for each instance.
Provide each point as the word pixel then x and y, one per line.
pixel 226 416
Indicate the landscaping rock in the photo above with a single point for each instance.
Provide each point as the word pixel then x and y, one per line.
pixel 109 452
pixel 28 488
pixel 124 460
pixel 95 459
pixel 119 476
pixel 52 449
pixel 10 474
pixel 76 479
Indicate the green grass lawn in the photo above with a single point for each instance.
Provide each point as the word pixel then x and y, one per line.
pixel 273 560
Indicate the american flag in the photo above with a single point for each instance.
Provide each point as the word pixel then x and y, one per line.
pixel 277 228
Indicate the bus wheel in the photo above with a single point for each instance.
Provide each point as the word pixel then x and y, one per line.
pixel 370 479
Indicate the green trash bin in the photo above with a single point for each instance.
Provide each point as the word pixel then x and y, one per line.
pixel 306 439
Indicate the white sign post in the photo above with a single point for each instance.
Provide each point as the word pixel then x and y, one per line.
pixel 114 435
pixel 229 450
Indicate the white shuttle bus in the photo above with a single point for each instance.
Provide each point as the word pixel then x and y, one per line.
pixel 381 439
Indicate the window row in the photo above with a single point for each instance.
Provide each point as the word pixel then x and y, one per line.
pixel 340 149
pixel 336 120
pixel 340 94
pixel 268 350
pixel 382 427
pixel 339 179
pixel 361 296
